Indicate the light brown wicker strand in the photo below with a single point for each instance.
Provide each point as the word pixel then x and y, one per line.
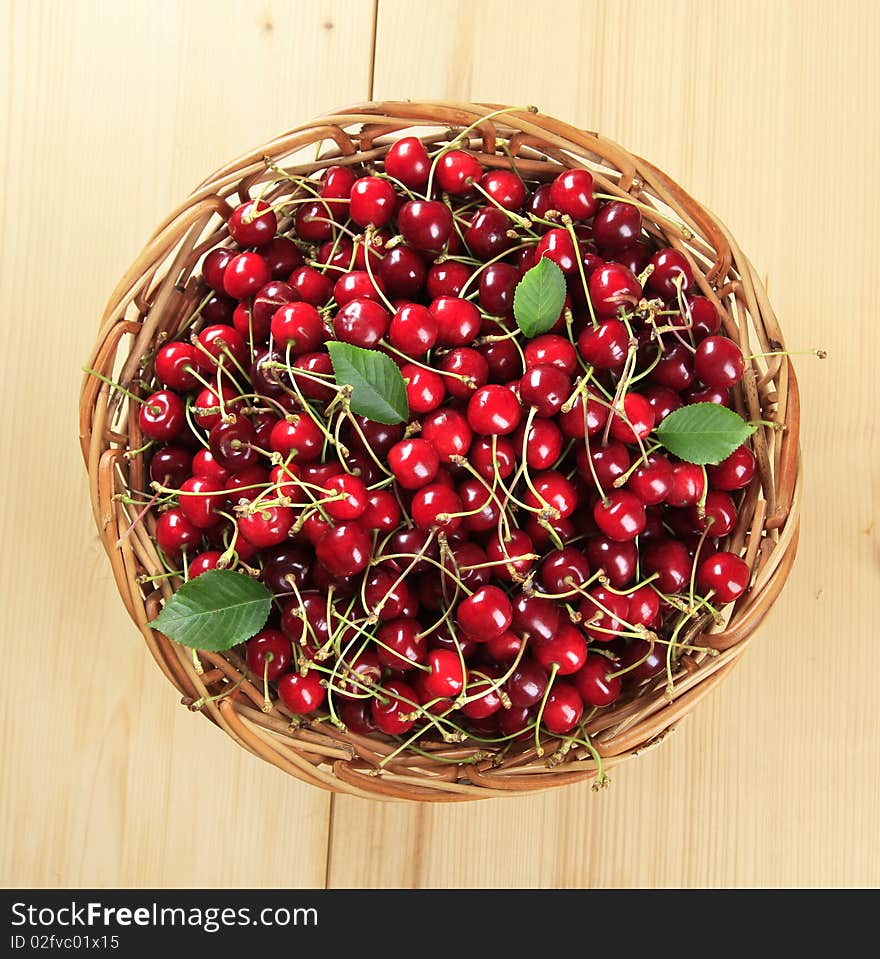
pixel 156 296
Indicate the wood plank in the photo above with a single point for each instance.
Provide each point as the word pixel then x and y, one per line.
pixel 767 113
pixel 109 115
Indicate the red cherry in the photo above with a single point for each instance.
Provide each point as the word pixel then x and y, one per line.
pixel 392 713
pixel 408 161
pixel 564 570
pixel 425 224
pixel 282 255
pixel 593 684
pixel 266 526
pixel 176 365
pixel 637 420
pixel 652 481
pixel 670 560
pixel 436 505
pixel 463 361
pixel 457 171
pixel 687 487
pixel 297 434
pixel 735 472
pixel 618 560
pixel 354 500
pixel 567 650
pixel 425 390
pixel 203 563
pixel 616 227
pixel 725 574
pixel 214 266
pixel 403 272
pixel 554 490
pixel 719 514
pixel 671 273
pixel 372 201
pixel 486 236
pixel 620 516
pixel 484 614
pixel 171 465
pixel 543 445
pixel 253 223
pixel 719 362
pixel 200 497
pixel 413 330
pixel 302 695
pixel 446 676
pixel 483 697
pixel 556 244
pixel 382 512
pixel 311 285
pixel 498 283
pixel 344 550
pixel 268 654
pixel 505 188
pixel 361 322
pixel 401 644
pixel 606 346
pixel 563 708
pixel 297 327
pixel 458 321
pixel 161 416
pixel 414 463
pixel 448 432
pixel 551 350
pixel 643 607
pixel 174 532
pixel 572 193
pixel 546 388
pixel 603 614
pixel 245 274
pixel 493 410
pixel 613 287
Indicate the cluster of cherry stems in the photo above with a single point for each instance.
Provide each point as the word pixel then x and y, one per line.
pixel 519 552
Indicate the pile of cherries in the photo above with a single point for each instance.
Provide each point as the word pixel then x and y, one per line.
pixel 522 551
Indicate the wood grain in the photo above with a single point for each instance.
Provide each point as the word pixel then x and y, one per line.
pixel 109 114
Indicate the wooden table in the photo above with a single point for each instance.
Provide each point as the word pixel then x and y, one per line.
pixel 110 113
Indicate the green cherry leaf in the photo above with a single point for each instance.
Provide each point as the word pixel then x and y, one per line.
pixel 378 390
pixel 215 611
pixel 703 433
pixel 539 297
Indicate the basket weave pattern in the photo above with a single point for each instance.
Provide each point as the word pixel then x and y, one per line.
pixel 162 288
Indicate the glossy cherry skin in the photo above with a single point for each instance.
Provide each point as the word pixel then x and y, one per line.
pixel 414 462
pixel 232 443
pixel 486 700
pixel 312 286
pixel 493 411
pixel 372 201
pixel 463 361
pixel 458 320
pixel 668 558
pixel 267 526
pixel 535 617
pixel 457 171
pixel 176 365
pixel 200 497
pixel 284 565
pixel 671 272
pixel 563 708
pixel 704 318
pixel 735 472
pixel 214 266
pixel 393 715
pixel 425 224
pixel 403 272
pixel 486 237
pixel 382 512
pixel 606 346
pixel 510 551
pixel 298 434
pixel 221 342
pixel 203 563
pixel 613 287
pixel 662 401
pixel 556 244
pixel 636 422
pixel 554 490
pixel 553 350
pixel 563 570
pixel 675 368
pixel 725 574
pixel 245 274
pixel 413 330
pixel 719 514
pixel 593 684
pixel 608 463
pixel 543 445
pixel 719 362
pixel 252 224
pixel 567 650
pixel 268 654
pixel 616 227
pixel 617 559
pixel 572 193
pixel 497 287
pixel 361 322
pixel 603 614
pixel 344 550
pixel 302 695
pixel 447 674
pixel 643 607
pixel 687 485
pixel 651 660
pixel 652 481
pixel 526 684
pixel 505 188
pixel 577 422
pixel 400 644
pixel 446 279
pixel 620 516
pixel 546 388
pixel 282 256
pixel 425 389
pixel 447 430
pixel 408 161
pixel 297 327
pixel 436 506
pixel 161 416
pixel 485 614
pixel 175 532
pixel 171 465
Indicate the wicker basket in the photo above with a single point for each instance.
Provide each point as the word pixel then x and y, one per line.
pixel 161 289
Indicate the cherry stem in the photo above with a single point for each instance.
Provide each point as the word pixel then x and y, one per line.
pixel 153 407
pixel 554 669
